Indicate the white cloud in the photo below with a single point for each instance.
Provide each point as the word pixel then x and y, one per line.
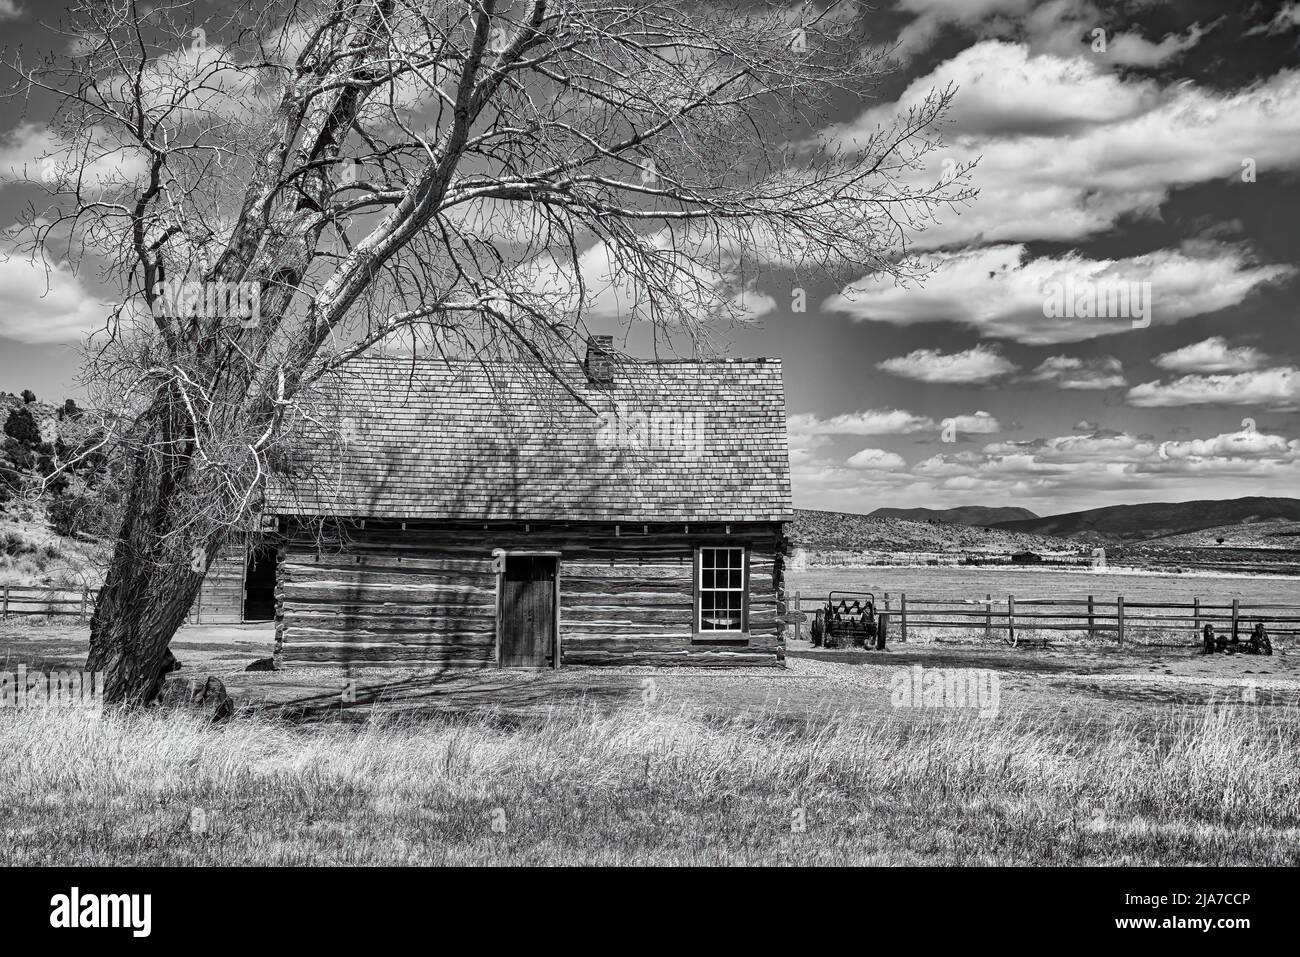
pixel 877 460
pixel 999 290
pixel 1285 20
pixel 1087 465
pixel 1003 90
pixel 31 154
pixel 39 308
pixel 1274 389
pixel 1248 444
pixel 979 423
pixel 1067 372
pixel 9 10
pixel 1065 472
pixel 1211 355
pixel 870 422
pixel 976 365
pixel 1066 147
pixel 1133 49
pixel 1057 26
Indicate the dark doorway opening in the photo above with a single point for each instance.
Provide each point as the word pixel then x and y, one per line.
pixel 259 584
pixel 527 621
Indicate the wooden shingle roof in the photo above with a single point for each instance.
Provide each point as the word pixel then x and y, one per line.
pixel 667 441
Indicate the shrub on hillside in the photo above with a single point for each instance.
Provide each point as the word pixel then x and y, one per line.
pixel 21 427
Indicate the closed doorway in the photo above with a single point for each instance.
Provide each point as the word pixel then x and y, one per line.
pixel 527 616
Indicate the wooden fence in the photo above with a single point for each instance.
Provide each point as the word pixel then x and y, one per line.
pixel 25 600
pixel 1010 618
pixel 20 600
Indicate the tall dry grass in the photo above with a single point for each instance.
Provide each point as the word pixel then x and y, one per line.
pixel 649 785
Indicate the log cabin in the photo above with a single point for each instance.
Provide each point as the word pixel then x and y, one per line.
pixel 608 511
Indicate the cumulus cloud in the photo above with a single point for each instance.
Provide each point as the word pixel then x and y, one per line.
pixel 976 365
pixel 32 154
pixel 1066 147
pixel 1002 292
pixel 1067 372
pixel 877 460
pixel 1276 389
pixel 978 423
pixel 1285 20
pixel 1058 26
pixel 1072 471
pixel 1211 355
pixel 1133 49
pixel 1121 463
pixel 41 307
pixel 870 422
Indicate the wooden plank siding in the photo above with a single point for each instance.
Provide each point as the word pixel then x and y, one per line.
pixel 426 594
pixel 221 596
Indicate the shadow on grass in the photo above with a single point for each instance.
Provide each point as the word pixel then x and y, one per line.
pixel 450 691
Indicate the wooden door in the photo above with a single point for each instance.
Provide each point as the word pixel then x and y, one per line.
pixel 528 611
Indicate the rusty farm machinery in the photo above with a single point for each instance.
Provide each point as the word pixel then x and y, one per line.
pixel 849 619
pixel 1227 644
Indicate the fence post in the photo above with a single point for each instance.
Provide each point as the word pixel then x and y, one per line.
pixel 798 625
pixel 1011 619
pixel 902 616
pixel 83 604
pixel 1236 616
pixel 1119 619
pixel 988 615
pixel 1196 617
pixel 1092 620
pixel 5 613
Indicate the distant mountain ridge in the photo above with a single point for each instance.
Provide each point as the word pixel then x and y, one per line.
pixel 961 515
pixel 823 532
pixel 1156 519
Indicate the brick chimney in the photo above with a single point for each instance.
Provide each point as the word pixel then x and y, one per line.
pixel 599 363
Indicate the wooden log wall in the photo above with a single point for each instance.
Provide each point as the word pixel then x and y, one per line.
pixel 425 594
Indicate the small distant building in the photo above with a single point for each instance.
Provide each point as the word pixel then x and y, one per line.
pixel 1026 558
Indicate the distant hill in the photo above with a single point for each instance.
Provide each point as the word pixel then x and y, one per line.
pixel 820 532
pixel 48 419
pixel 962 515
pixel 1156 519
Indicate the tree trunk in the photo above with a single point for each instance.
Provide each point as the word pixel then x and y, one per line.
pixel 159 561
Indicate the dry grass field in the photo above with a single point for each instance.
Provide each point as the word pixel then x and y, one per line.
pixel 1092 757
pixel 1024 583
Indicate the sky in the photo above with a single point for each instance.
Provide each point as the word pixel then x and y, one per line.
pixel 1144 148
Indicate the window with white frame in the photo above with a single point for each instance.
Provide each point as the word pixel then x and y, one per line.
pixel 720 590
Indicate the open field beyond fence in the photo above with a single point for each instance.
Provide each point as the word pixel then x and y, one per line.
pixel 1018 605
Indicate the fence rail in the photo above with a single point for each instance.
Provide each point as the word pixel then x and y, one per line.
pixel 26 600
pixel 1118 619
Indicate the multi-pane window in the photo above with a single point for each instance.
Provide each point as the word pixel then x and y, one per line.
pixel 721 589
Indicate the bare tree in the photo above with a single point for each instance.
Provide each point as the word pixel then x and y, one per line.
pixel 275 190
